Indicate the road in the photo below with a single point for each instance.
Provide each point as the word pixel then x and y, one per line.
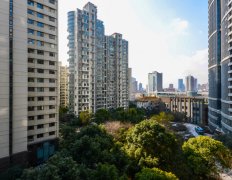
pixel 191 129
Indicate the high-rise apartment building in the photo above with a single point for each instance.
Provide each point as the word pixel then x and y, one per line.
pixel 98 64
pixel 13 82
pixel 28 90
pixel 64 77
pixel 155 82
pixel 220 66
pixel 43 97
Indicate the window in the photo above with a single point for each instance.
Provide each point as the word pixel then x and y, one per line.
pixel 52 54
pixel 31 118
pixel 52 10
pixel 52 46
pixel 40 34
pixel 52 1
pixel 31 89
pixel 31 98
pixel 31 80
pixel 31 12
pixel 40 43
pixel 30 60
pixel 52 89
pixel 40 52
pixel 51 19
pixel 30 3
pixel 52 28
pixel 31 70
pixel 52 36
pixel 52 80
pixel 51 124
pixel 31 41
pixel 40 126
pixel 30 31
pixel 40 71
pixel 52 115
pixel 40 89
pixel 30 138
pixel 40 108
pixel 39 15
pixel 52 98
pixel 30 128
pixel 40 61
pixel 40 98
pixel 51 63
pixel 51 133
pixel 39 6
pixel 52 107
pixel 51 72
pixel 31 108
pixel 39 117
pixel 40 24
pixel 30 21
pixel 31 50
pixel 40 135
pixel 40 80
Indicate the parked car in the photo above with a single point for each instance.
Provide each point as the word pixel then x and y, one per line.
pixel 199 130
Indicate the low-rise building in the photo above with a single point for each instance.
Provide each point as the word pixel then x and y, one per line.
pixel 195 108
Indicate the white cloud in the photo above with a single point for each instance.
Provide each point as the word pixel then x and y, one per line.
pixel 180 25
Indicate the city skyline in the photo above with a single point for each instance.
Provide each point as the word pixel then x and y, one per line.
pixel 165 49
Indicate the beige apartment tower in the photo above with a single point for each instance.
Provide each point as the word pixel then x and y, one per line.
pixel 29 80
pixel 64 76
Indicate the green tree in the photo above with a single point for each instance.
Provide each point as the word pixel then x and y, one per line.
pixel 150 145
pixel 85 117
pixel 154 174
pixel 163 118
pixel 205 155
pixel 106 172
pixel 102 115
pixel 57 168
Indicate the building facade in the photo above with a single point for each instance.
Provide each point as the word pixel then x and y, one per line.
pixel 43 85
pixel 195 108
pixel 155 82
pixel 98 64
pixel 219 69
pixel 29 80
pixel 13 82
pixel 64 77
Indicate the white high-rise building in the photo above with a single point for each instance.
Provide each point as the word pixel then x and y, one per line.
pixel 98 64
pixel 28 83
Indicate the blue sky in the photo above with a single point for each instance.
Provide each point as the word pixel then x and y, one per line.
pixel 169 36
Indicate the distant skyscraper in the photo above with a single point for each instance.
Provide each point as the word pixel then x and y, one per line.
pixel 155 82
pixel 130 83
pixel 191 84
pixel 181 87
pixel 98 64
pixel 220 65
pixel 134 85
pixel 171 86
pixel 140 87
